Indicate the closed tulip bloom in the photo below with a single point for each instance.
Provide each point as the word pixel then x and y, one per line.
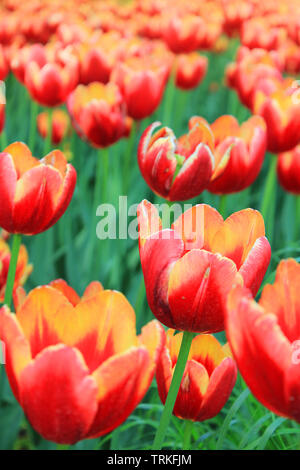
pixel 50 84
pixel 190 268
pixel 34 193
pixel 288 170
pixel 190 70
pixel 177 169
pixel 207 381
pixel 245 146
pixel 60 125
pixel 281 112
pixel 23 268
pixel 264 338
pixel 142 82
pixel 98 113
pixel 23 56
pixel 76 366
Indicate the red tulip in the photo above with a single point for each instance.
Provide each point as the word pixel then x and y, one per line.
pixel 264 338
pixel 207 381
pixel 176 169
pixel 76 366
pixel 181 33
pixel 50 84
pixel 34 193
pixel 142 82
pixel 190 70
pixel 288 170
pixel 245 146
pixel 281 112
pixel 98 113
pixel 190 269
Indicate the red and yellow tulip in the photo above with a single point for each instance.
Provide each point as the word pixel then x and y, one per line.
pixel 190 269
pixel 76 366
pixel 60 125
pixel 264 338
pixel 288 170
pixel 207 381
pixel 34 193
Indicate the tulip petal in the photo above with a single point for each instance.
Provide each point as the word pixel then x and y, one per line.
pixel 17 348
pixel 8 182
pixel 66 290
pixel 282 298
pixel 148 220
pixel 260 349
pixel 219 388
pixel 238 234
pixel 198 285
pixel 256 264
pixel 58 394
pixel 197 226
pixel 122 382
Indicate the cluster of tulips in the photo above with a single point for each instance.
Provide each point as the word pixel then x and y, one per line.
pixel 76 365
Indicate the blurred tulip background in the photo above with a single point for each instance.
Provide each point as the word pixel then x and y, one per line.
pixel 165 102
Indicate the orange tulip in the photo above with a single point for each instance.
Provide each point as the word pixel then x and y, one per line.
pixel 190 269
pixel 264 338
pixel 23 268
pixel 34 193
pixel 60 125
pixel 207 381
pixel 76 366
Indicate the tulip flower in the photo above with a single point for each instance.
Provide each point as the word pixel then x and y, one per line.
pixel 98 113
pixel 34 193
pixel 4 68
pixel 190 268
pixel 208 379
pixel 22 57
pixel 281 112
pixel 76 366
pixel 245 147
pixel 60 125
pixel 50 84
pixel 181 34
pixel 264 338
pixel 176 169
pixel 190 70
pixel 23 268
pixel 142 82
pixel 252 66
pixel 288 170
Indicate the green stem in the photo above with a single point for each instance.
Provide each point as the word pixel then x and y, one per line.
pixel 128 159
pixel 12 269
pixel 48 140
pixel 187 434
pixel 268 201
pixel 169 98
pixel 32 130
pixel 222 205
pixel 173 391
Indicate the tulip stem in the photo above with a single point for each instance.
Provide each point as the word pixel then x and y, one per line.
pixel 222 205
pixel 48 140
pixel 173 391
pixel 32 130
pixel 169 98
pixel 129 158
pixel 187 434
pixel 12 269
pixel 268 201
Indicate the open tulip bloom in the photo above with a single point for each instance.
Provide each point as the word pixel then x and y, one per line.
pixel 264 338
pixel 190 268
pixel 76 366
